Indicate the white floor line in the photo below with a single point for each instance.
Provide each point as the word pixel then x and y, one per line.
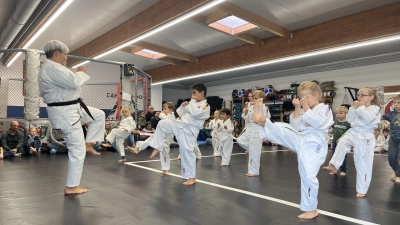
pixel 207 156
pixel 321 212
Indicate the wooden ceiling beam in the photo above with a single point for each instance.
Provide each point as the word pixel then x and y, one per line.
pixel 215 16
pixel 153 17
pixel 368 25
pixel 166 51
pixel 254 19
pixel 250 39
pixel 171 61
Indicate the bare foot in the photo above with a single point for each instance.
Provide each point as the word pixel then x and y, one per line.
pixel 331 168
pixel 397 180
pixel 165 172
pixel 308 215
pixel 252 175
pixel 74 190
pixel 246 152
pixel 259 117
pixel 342 174
pixel 90 149
pixel 331 173
pixel 360 195
pixel 190 181
pixel 106 145
pixel 325 167
pixel 122 160
pixel 393 176
pixel 222 165
pixel 199 158
pixel 133 150
pixel 154 153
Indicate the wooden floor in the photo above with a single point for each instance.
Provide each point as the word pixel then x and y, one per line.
pixel 31 192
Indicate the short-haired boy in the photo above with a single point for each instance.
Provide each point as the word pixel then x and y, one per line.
pixel 185 129
pixel 338 129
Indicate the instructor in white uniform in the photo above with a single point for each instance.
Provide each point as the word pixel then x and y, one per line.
pixel 60 88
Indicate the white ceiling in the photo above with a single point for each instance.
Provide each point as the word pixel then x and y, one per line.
pixel 84 20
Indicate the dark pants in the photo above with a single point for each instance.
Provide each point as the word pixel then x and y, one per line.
pixel 343 167
pixel 8 154
pixel 27 149
pixel 394 155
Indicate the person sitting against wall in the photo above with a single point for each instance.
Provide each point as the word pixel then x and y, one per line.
pixel 146 132
pixel 12 140
pixel 150 113
pixel 142 120
pixel 154 121
pixel 31 142
pixel 57 143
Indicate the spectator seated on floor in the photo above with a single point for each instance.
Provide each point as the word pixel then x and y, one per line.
pixel 31 142
pixel 56 142
pixel 150 113
pixel 154 121
pixel 146 132
pixel 12 141
pixel 142 120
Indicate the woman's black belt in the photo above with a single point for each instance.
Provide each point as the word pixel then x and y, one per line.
pixel 79 100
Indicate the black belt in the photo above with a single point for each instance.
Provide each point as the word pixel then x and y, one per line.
pixel 72 103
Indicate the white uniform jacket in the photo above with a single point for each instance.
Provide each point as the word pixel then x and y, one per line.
pixel 194 114
pixel 59 84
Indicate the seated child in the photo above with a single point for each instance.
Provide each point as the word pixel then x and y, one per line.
pixel 380 141
pixel 31 142
pixel 386 136
pixel 236 129
pixel 146 132
pixel 121 133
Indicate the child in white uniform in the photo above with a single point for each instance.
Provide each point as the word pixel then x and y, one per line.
pixel 306 136
pixel 186 129
pixel 250 138
pixel 386 137
pixel 225 128
pixel 214 132
pixel 120 133
pixel 167 114
pixel 364 117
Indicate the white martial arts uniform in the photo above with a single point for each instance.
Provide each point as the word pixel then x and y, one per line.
pixel 186 129
pixel 225 140
pixel 59 84
pixel 214 134
pixel 379 143
pixel 126 126
pixel 164 155
pixel 363 121
pixel 386 143
pixel 305 136
pixel 251 141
